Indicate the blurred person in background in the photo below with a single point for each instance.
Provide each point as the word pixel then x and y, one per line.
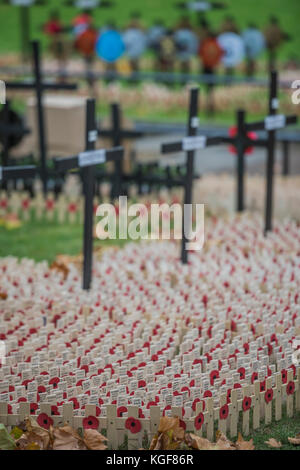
pixel 229 25
pixel 167 52
pixel 275 37
pixel 154 35
pixel 85 45
pixel 81 22
pixel 186 42
pixel 254 45
pixel 135 40
pixel 54 29
pixel 210 53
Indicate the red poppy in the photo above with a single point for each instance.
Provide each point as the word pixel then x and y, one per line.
pixel 133 425
pixel 269 395
pixel 294 369
pixel 197 400
pixel 141 383
pixel 41 389
pixel 246 348
pixel 90 422
pixel 121 410
pixel 75 403
pixel 254 377
pixel 44 421
pixel 33 408
pixel 224 411
pixel 270 349
pixel 242 372
pixel 9 410
pixel 141 414
pixel 246 403
pixel 166 408
pixel 284 376
pixel 54 381
pixel 290 388
pixel 151 403
pixel 199 420
pixel 182 424
pixel 213 376
pixel 54 410
pixel 262 386
pixel 207 394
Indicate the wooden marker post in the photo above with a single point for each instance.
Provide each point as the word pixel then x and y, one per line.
pixel 190 144
pixel 87 161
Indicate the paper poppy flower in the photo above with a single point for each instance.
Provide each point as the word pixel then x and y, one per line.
pixel 269 395
pixel 290 388
pixel 41 389
pixel 141 414
pixel 121 410
pixel 224 411
pixel 213 376
pixel 284 376
pixel 242 372
pixel 54 382
pixel 90 422
pixel 133 425
pixel 151 403
pixel 33 408
pixel 195 403
pixel 166 408
pixel 246 405
pixel 199 420
pixel 207 394
pixel 262 386
pixel 54 410
pixel 182 424
pixel 44 421
pixel 254 377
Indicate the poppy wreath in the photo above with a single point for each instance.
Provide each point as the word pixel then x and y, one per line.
pixel 269 395
pixel 133 425
pixel 246 405
pixel 290 388
pixel 224 412
pixel 90 422
pixel 44 421
pixel 199 420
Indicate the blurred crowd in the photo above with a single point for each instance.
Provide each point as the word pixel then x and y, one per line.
pixel 173 48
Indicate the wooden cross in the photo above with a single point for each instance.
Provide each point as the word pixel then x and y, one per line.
pixel 190 144
pixel 39 86
pixel 117 135
pixel 270 124
pixel 8 173
pixel 87 161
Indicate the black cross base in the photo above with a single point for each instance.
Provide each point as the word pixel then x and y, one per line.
pixel 87 161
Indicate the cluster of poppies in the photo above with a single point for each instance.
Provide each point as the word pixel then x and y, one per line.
pixel 154 332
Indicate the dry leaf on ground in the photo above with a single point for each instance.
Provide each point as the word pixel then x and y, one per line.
pixel 295 440
pixel 94 440
pixel 65 438
pixel 273 443
pixel 244 445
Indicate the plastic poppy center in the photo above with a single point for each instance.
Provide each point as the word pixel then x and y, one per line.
pixel 133 424
pixel 90 423
pixel 45 421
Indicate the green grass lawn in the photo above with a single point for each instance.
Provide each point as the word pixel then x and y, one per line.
pixel 287 427
pixel 244 11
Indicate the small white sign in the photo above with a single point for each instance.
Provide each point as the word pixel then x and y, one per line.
pixel 82 4
pixel 195 122
pixel 194 143
pixel 275 122
pixel 199 6
pixel 0 173
pixel 22 3
pixel 92 158
pixel 93 135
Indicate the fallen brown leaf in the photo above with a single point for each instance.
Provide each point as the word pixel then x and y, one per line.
pixel 65 438
pixel 273 443
pixel 223 443
pixel 94 440
pixel 295 440
pixel 244 445
pixel 199 443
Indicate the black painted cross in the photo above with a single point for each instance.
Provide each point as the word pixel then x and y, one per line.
pixel 117 135
pixel 8 173
pixel 39 86
pixel 190 144
pixel 87 161
pixel 270 124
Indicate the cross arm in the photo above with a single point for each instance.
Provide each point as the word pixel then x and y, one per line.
pixel 129 134
pixel 263 125
pixel 190 143
pixel 30 85
pixel 13 129
pixel 89 158
pixel 16 172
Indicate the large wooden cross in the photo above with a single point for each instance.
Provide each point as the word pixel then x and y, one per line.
pixel 87 161
pixel 190 145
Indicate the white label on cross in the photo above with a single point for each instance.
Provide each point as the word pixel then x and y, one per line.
pixel 194 143
pixel 91 158
pixel 275 122
pixel 199 6
pixel 0 173
pixel 275 103
pixel 82 4
pixel 22 3
pixel 93 135
pixel 195 122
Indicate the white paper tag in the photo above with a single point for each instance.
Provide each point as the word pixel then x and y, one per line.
pixel 275 103
pixel 82 4
pixel 0 173
pixel 199 6
pixel 91 158
pixel 93 135
pixel 195 122
pixel 194 143
pixel 275 122
pixel 22 3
